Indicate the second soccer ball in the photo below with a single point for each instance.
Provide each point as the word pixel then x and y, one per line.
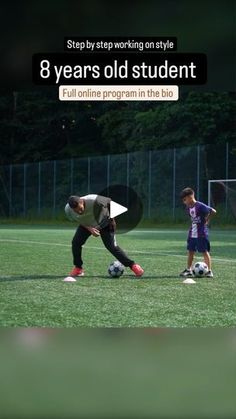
pixel 200 269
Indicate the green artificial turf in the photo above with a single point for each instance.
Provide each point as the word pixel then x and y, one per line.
pixel 35 261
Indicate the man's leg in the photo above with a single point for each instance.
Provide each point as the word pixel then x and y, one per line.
pixel 109 241
pixel 80 237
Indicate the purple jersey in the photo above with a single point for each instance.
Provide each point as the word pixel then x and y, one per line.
pixel 198 213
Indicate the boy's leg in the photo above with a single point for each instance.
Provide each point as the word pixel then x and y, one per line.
pixel 109 241
pixel 204 248
pixel 207 259
pixel 191 248
pixel 80 237
pixel 191 254
pixel 188 271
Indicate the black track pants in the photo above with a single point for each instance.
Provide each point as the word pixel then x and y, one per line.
pixel 109 241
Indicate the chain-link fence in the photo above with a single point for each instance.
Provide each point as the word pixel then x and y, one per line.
pixel 41 189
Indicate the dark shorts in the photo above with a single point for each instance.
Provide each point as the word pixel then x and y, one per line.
pixel 201 244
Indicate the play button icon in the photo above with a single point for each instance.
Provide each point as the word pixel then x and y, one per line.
pixel 129 211
pixel 116 209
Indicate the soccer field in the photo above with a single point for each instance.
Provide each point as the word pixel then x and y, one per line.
pixel 34 262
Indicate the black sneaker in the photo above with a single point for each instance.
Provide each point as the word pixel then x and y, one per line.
pixel 187 273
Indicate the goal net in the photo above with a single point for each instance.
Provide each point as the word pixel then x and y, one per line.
pixel 222 196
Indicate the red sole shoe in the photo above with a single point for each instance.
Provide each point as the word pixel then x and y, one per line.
pixel 76 272
pixel 137 270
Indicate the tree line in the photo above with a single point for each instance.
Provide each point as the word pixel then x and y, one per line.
pixel 36 126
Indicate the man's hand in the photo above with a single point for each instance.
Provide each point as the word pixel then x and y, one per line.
pixel 94 231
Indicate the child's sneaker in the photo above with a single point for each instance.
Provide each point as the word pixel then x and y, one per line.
pixel 209 274
pixel 187 273
pixel 76 272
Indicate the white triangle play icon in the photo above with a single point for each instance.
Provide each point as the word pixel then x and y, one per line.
pixel 116 209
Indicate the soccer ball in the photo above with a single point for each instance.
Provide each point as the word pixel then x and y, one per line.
pixel 116 269
pixel 200 269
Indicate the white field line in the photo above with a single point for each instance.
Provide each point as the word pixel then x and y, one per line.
pixel 141 252
pixel 34 242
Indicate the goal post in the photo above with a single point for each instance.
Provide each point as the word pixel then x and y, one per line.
pixel 224 193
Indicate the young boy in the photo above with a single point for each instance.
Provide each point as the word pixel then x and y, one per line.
pixel 198 240
pixel 92 212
